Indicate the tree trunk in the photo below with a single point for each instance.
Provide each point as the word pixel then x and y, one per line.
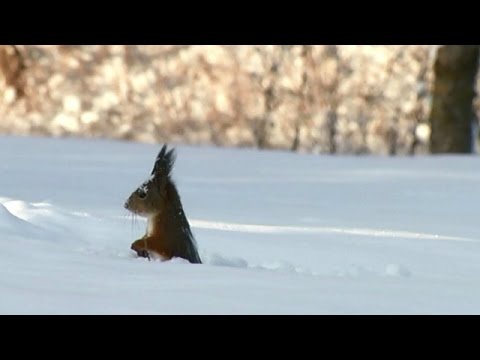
pixel 452 112
pixel 12 68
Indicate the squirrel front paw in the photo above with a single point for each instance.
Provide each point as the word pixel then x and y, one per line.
pixel 139 247
pixel 143 253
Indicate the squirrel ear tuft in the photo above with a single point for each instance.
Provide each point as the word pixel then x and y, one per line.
pixel 164 162
pixel 161 154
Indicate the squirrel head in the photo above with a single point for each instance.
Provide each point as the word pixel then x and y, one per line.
pixel 150 198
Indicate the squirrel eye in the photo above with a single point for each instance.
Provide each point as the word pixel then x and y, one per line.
pixel 142 194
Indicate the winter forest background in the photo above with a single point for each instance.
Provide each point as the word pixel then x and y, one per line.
pixel 338 99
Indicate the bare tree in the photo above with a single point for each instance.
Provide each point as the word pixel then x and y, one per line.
pixel 452 114
pixel 12 67
pixel 268 82
pixel 418 113
pixel 331 93
pixel 304 94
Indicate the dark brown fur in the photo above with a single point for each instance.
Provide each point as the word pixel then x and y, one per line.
pixel 168 233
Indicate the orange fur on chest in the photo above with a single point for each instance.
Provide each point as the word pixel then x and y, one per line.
pixel 155 240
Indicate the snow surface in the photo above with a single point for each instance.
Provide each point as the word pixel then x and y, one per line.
pixel 279 233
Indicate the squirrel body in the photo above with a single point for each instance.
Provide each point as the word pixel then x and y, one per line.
pixel 168 232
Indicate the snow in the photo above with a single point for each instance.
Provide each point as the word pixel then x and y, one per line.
pixel 279 233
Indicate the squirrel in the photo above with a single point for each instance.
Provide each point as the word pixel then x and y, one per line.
pixel 168 232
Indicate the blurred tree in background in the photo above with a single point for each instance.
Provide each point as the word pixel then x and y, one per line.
pixel 337 99
pixel 452 117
